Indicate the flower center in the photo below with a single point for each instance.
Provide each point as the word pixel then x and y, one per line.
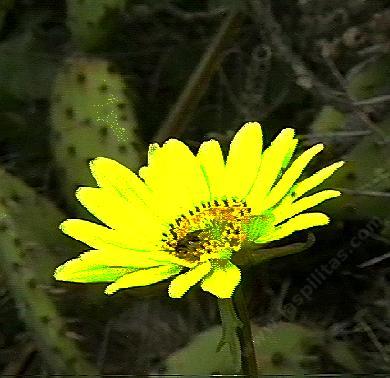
pixel 212 230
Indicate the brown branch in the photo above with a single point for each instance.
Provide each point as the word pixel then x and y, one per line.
pixel 194 16
pixel 262 15
pixel 373 100
pixel 366 193
pixel 356 108
pixel 19 363
pixel 199 80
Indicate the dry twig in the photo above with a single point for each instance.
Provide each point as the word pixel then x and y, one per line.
pixel 199 79
pixel 262 14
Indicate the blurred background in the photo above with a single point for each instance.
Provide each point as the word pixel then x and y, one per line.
pixel 87 78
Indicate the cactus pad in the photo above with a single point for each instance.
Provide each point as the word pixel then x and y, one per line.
pixel 91 21
pixel 35 306
pixel 25 206
pixel 91 117
pixel 282 348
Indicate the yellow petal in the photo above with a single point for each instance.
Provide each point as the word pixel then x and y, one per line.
pixel 153 148
pixel 316 179
pixel 77 270
pixel 143 277
pixel 125 184
pixel 176 179
pixel 243 161
pixel 273 159
pixel 116 243
pixel 288 209
pixel 290 176
pixel 290 153
pixel 110 174
pixel 212 164
pixel 127 259
pixel 143 171
pixel 118 213
pixel 222 280
pixel 182 283
pixel 299 222
pixel 101 237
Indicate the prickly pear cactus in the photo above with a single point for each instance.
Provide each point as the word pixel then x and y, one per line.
pixel 35 306
pixel 285 348
pixel 282 348
pixel 91 117
pixel 91 21
pixel 25 207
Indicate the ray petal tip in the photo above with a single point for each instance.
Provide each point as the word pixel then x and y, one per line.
pixel 79 191
pixel 322 219
pixel 337 193
pixel 289 130
pixel 57 273
pixel 153 147
pixel 252 128
pixel 63 224
pixel 340 163
pixel 112 288
pixel 109 290
pixel 62 272
pixel 252 124
pixel 96 161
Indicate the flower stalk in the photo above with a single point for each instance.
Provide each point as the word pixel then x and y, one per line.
pixel 248 354
pixel 230 326
pixel 236 332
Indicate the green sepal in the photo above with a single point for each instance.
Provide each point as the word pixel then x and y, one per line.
pixel 249 256
pixel 258 225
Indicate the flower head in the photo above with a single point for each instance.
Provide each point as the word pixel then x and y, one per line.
pixel 186 215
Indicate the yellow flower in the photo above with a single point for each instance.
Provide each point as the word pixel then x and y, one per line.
pixel 187 214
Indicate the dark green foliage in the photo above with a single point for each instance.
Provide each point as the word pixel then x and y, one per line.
pixel 5 6
pixel 85 78
pixel 26 65
pixel 368 160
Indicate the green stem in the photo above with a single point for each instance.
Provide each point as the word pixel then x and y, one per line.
pixel 248 354
pixel 236 333
pixel 230 325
